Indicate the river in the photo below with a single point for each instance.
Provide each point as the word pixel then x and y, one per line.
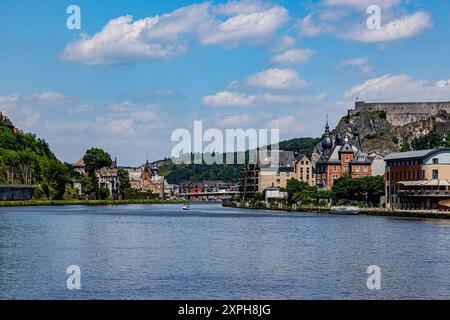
pixel 210 252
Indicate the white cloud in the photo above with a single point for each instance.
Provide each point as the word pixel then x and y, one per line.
pixel 229 99
pixel 405 27
pixel 361 64
pixel 345 19
pixel 244 120
pixel 276 79
pixel 114 127
pixel 294 56
pixel 362 4
pixel 26 111
pixel 123 41
pixel 241 7
pixel 81 110
pixel 400 88
pixel 254 28
pixel 284 124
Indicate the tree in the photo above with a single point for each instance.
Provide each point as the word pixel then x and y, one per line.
pixel 103 193
pixel 90 185
pixel 364 188
pixel 431 140
pixel 124 180
pixel 95 159
pixel 300 191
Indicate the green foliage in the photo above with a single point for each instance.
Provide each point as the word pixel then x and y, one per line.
pixel 26 159
pixel 103 193
pixel 405 147
pixel 358 189
pixel 259 196
pixel 95 159
pixel 299 191
pixel 300 145
pixel 90 185
pixel 429 141
pixel 124 180
pixel 39 193
pixel 380 114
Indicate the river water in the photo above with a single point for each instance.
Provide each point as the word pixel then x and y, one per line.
pixel 210 252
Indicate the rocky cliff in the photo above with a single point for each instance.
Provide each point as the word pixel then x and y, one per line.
pixel 372 133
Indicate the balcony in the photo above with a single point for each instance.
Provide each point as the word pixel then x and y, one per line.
pixel 424 193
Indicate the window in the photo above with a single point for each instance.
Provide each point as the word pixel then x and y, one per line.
pixel 435 174
pixel 366 169
pixel 335 169
pixel 435 161
pixel 347 159
pixel 358 168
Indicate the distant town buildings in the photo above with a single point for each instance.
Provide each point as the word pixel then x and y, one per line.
pixel 264 176
pixel 146 178
pixel 208 191
pixel 418 180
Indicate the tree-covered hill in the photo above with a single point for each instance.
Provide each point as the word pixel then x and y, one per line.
pixel 178 174
pixel 26 159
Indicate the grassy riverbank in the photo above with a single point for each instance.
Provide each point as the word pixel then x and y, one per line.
pixel 39 203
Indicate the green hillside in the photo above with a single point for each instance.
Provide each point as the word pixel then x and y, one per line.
pixel 177 174
pixel 26 159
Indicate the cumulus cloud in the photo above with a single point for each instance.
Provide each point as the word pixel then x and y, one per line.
pixel 405 27
pixel 123 40
pixel 243 120
pixel 361 64
pixel 362 4
pixel 26 111
pixel 246 28
pixel 277 79
pixel 293 56
pixel 400 88
pixel 346 19
pixel 229 99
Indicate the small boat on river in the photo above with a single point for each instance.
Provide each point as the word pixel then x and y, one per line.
pixel 186 207
pixel 347 210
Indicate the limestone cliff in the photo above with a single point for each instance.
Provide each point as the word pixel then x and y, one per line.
pixel 371 132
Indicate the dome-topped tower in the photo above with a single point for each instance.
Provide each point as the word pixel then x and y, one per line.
pixel 327 143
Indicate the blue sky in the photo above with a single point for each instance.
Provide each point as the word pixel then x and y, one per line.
pixel 139 69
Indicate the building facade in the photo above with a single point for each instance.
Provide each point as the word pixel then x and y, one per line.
pixel 146 179
pixel 418 180
pixel 263 176
pixel 109 178
pixel 304 170
pixel 340 159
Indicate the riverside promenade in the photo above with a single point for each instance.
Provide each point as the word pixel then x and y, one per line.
pixel 416 214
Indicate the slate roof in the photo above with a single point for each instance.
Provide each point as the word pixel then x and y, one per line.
pixel 420 154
